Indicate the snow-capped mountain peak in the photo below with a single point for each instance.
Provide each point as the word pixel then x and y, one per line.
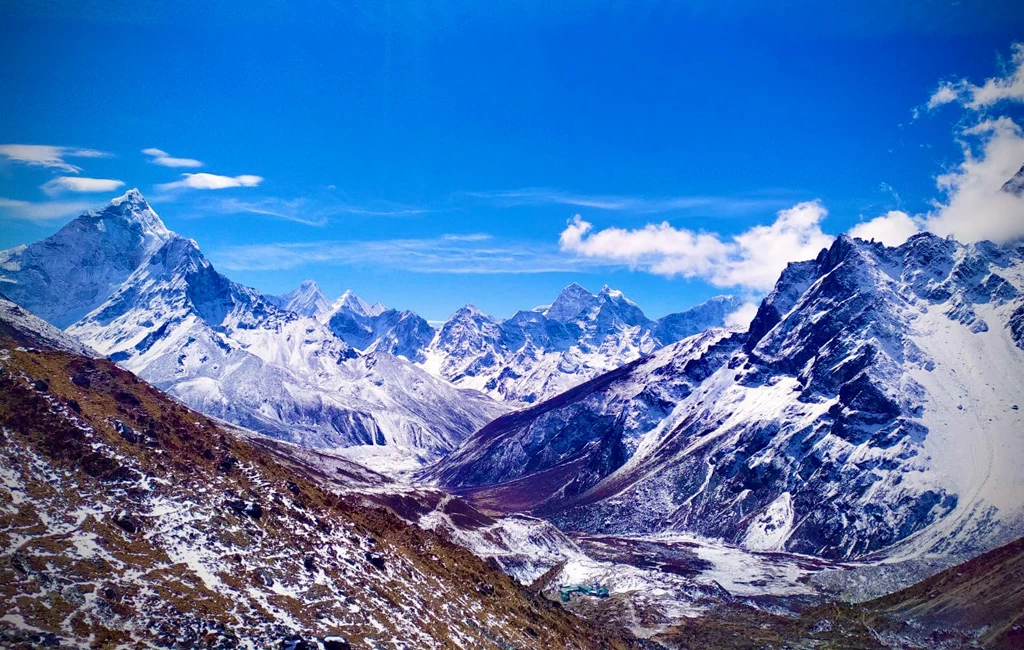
pixel 352 303
pixel 63 277
pixel 118 280
pixel 306 299
pixel 538 353
pixel 1015 185
pixel 133 208
pixel 570 303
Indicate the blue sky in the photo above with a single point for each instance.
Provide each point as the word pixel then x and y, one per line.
pixel 429 157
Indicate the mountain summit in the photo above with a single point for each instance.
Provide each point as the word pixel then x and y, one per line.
pixel 67 275
pixel 306 300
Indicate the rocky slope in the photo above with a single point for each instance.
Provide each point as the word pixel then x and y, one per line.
pixel 977 604
pixel 127 520
pixel 872 408
pixel 227 350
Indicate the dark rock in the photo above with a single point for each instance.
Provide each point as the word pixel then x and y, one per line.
pixel 75 406
pixel 227 464
pixel 126 522
pixel 296 643
pixel 126 399
pixel 112 592
pixel 41 385
pixel 125 431
pixel 485 588
pixel 81 379
pixel 376 560
pixel 335 643
pixel 309 563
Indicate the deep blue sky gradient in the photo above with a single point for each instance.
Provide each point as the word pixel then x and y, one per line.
pixel 408 108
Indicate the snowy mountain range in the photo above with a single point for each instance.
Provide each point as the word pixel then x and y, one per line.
pixel 123 284
pixel 873 409
pixel 540 353
pixel 531 356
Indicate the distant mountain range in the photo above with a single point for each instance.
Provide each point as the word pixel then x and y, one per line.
pixel 533 355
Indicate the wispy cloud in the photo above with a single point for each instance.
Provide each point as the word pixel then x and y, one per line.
pixel 476 236
pixel 53 157
pixel 724 205
pixel 41 211
pixel 427 255
pixel 164 159
pixel 79 184
pixel 293 210
pixel 204 181
pixel 309 211
pixel 1008 87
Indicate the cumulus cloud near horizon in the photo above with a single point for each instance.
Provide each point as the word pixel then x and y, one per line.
pixel 205 181
pixel 752 259
pixel 974 204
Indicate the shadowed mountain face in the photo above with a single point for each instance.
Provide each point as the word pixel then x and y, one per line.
pixel 128 518
pixel 871 408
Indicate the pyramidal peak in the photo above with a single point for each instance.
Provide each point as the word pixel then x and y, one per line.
pixel 351 302
pixel 133 208
pixel 572 300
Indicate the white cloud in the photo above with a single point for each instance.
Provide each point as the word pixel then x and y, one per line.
pixel 204 181
pixel 892 229
pixel 752 259
pixel 627 203
pixel 1009 87
pixel 42 211
pixel 946 93
pixel 161 157
pixel 42 155
pixel 79 184
pixel 975 207
pixel 742 316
